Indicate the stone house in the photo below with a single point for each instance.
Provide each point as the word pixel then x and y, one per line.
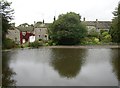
pixel 28 33
pixel 41 31
pixel 98 25
pixel 14 34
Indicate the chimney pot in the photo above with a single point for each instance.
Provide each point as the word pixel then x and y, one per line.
pixel 96 20
pixel 54 18
pixel 84 19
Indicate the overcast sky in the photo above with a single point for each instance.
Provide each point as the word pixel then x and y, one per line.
pixel 28 11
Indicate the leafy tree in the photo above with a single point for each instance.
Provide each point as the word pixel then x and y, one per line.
pixel 7 16
pixel 115 29
pixel 67 30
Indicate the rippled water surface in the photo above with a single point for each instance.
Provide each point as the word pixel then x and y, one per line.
pixel 61 67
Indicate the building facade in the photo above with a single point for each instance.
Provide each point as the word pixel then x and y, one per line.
pixel 97 25
pixel 39 30
pixel 14 34
pixel 28 33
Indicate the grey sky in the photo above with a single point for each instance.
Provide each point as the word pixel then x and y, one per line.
pixel 37 10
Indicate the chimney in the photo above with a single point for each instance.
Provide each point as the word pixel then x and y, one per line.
pixel 84 19
pixel 43 21
pixel 34 22
pixel 54 18
pixel 96 20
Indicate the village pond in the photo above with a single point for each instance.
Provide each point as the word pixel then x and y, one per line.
pixel 61 67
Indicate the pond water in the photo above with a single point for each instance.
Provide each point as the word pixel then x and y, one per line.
pixel 61 67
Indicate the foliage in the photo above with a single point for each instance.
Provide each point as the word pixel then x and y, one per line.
pixel 25 45
pixel 36 44
pixel 8 44
pixel 7 16
pixel 93 33
pixel 90 41
pixel 115 28
pixel 67 30
pixel 101 31
pixel 105 37
pixel 50 43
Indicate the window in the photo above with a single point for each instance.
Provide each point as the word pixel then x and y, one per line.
pixel 45 35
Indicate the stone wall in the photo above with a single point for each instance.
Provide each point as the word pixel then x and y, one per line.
pixel 14 35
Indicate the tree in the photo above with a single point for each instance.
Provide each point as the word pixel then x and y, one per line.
pixel 7 16
pixel 67 30
pixel 115 28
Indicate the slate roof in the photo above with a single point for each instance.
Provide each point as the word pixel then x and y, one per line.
pixel 99 24
pixel 28 28
pixel 41 25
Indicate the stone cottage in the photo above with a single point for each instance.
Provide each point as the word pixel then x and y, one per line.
pixel 28 33
pixel 97 25
pixel 41 31
pixel 14 34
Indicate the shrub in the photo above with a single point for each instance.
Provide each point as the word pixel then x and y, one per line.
pixel 90 41
pixel 106 37
pixel 36 44
pixel 8 44
pixel 101 31
pixel 50 43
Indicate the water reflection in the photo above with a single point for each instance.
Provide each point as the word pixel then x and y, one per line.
pixel 68 62
pixel 116 62
pixel 0 68
pixel 7 72
pixel 60 67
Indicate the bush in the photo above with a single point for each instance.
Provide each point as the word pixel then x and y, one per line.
pixel 36 44
pixel 106 37
pixel 50 43
pixel 8 44
pixel 90 41
pixel 101 31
